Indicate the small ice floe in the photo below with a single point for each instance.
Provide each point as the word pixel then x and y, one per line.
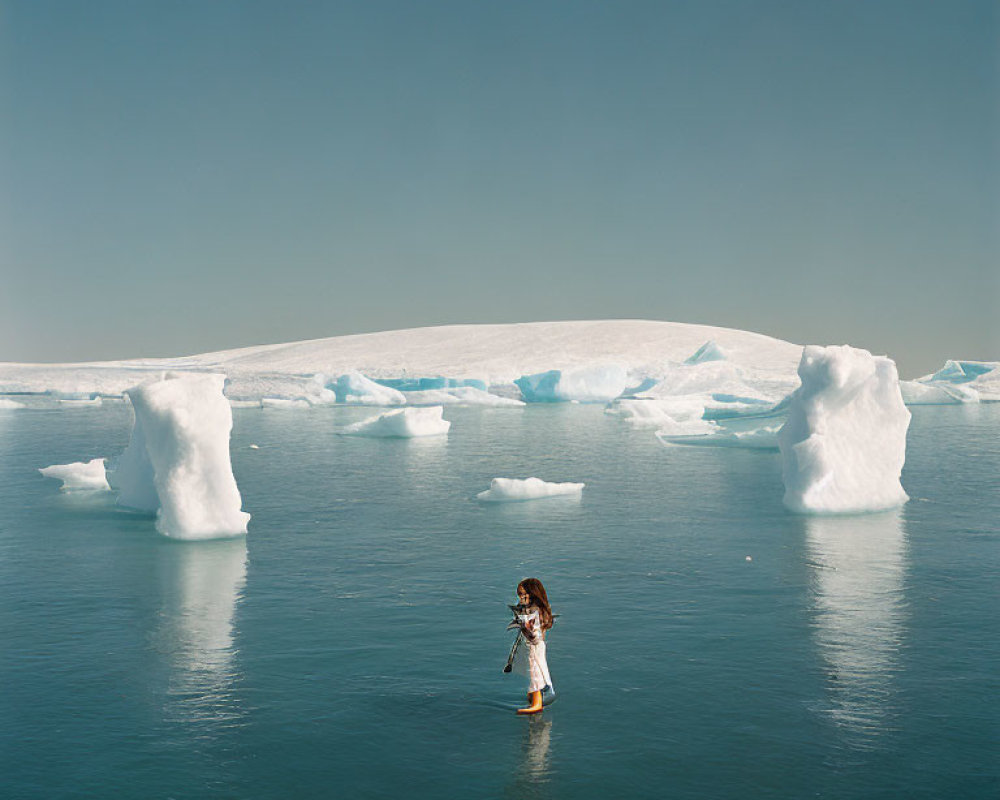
pixel 285 402
pixel 404 423
pixel 508 490
pixel 255 447
pixel 79 475
pixel 749 558
pixel 76 402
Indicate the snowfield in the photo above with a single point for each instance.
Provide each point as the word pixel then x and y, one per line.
pixel 611 353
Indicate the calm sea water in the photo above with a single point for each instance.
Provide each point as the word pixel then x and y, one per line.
pixel 351 644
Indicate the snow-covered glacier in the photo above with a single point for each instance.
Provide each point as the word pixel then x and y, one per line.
pixel 596 361
pixel 844 443
pixel 177 462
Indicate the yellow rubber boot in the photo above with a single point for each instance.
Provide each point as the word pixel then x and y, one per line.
pixel 535 704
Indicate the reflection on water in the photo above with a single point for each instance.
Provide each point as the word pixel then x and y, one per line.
pixel 201 585
pixel 533 771
pixel 858 565
pixel 537 740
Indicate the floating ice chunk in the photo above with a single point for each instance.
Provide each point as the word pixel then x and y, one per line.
pixel 844 443
pixel 404 423
pixel 962 371
pixel 598 383
pixel 709 351
pixel 460 395
pixel 678 414
pixel 179 453
pixel 10 404
pixel 507 490
pixel 956 382
pixel 79 475
pixel 284 402
pixel 916 393
pixel 73 401
pixel 762 438
pixel 353 387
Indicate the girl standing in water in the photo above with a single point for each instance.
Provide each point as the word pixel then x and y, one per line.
pixel 534 616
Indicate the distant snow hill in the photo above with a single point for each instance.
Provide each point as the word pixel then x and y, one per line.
pixel 485 356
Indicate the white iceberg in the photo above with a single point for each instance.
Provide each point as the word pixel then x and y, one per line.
pixel 844 443
pixel 9 404
pixel 764 437
pixel 698 402
pixel 507 490
pixel 79 475
pixel 178 458
pixel 132 474
pixel 679 415
pixel 956 382
pixel 403 423
pixel 353 387
pixel 597 383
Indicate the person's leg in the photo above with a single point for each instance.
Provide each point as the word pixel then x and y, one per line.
pixel 534 703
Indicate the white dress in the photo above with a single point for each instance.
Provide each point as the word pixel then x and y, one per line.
pixel 530 658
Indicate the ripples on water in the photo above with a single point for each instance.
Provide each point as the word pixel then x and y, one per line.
pixel 352 643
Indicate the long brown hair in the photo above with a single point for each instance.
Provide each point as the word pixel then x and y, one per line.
pixel 534 589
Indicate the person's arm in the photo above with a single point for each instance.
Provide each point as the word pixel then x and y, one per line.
pixel 530 625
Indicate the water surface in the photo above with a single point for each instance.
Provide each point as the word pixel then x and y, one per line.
pixel 352 642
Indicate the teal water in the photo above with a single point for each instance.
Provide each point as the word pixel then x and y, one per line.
pixel 351 645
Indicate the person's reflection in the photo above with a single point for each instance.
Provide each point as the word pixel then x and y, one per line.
pixel 858 564
pixel 537 740
pixel 533 771
pixel 202 583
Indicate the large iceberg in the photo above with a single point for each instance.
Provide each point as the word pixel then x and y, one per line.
pixel 844 443
pixel 506 490
pixel 956 382
pixel 403 423
pixel 178 458
pixel 9 404
pixel 79 475
pixel 598 383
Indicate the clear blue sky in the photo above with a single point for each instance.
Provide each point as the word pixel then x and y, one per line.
pixel 177 177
